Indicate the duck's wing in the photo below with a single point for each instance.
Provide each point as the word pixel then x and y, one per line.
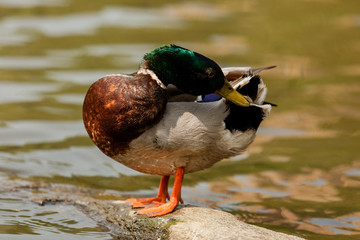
pixel 176 95
pixel 235 75
pixel 232 73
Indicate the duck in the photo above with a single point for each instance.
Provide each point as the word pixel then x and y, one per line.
pixel 179 113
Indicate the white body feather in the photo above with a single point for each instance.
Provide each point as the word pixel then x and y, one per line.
pixel 190 135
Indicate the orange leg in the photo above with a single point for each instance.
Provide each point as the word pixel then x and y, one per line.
pixel 168 207
pixel 148 202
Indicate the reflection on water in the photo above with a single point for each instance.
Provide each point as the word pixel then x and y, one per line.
pixel 23 92
pixel 353 172
pixel 31 3
pixel 25 132
pixel 331 222
pixel 132 52
pixel 83 161
pixel 317 182
pixel 70 98
pixel 33 62
pixel 21 218
pixel 51 51
pixel 280 132
pixel 85 77
pixel 258 190
pixel 88 23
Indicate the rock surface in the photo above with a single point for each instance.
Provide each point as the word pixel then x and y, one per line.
pixel 204 223
pixel 186 222
pixel 122 222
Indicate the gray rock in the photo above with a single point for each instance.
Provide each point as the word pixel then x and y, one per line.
pixel 186 222
pixel 122 222
pixel 204 223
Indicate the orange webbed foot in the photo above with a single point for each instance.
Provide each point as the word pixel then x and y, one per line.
pixel 161 208
pixel 143 202
pixel 156 201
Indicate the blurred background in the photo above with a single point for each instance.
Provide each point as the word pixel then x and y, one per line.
pixel 301 175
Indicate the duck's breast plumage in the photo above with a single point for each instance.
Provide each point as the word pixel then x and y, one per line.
pixel 118 108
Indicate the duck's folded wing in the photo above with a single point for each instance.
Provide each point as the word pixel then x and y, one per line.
pixel 234 73
pixel 237 74
pixel 176 95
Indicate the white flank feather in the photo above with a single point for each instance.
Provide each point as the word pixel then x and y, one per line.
pixel 190 135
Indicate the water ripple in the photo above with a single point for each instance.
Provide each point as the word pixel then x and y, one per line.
pixel 88 23
pixel 31 3
pixel 17 133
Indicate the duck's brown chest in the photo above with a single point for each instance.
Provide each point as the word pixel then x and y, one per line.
pixel 118 108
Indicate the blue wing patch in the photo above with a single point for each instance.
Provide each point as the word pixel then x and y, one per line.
pixel 210 98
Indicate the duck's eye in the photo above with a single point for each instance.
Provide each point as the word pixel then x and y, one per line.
pixel 210 72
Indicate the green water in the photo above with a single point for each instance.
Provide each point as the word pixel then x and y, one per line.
pixel 301 175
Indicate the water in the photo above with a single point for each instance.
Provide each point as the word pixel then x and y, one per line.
pixel 301 175
pixel 22 219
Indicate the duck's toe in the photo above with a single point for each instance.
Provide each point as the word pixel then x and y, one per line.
pixel 154 201
pixel 147 202
pixel 162 209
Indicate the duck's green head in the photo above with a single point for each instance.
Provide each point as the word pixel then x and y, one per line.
pixel 191 72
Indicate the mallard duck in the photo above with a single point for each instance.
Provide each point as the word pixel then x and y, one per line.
pixel 150 120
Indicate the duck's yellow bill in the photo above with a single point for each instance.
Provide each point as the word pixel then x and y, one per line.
pixel 228 92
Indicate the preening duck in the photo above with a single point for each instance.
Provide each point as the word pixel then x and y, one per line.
pixel 150 121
